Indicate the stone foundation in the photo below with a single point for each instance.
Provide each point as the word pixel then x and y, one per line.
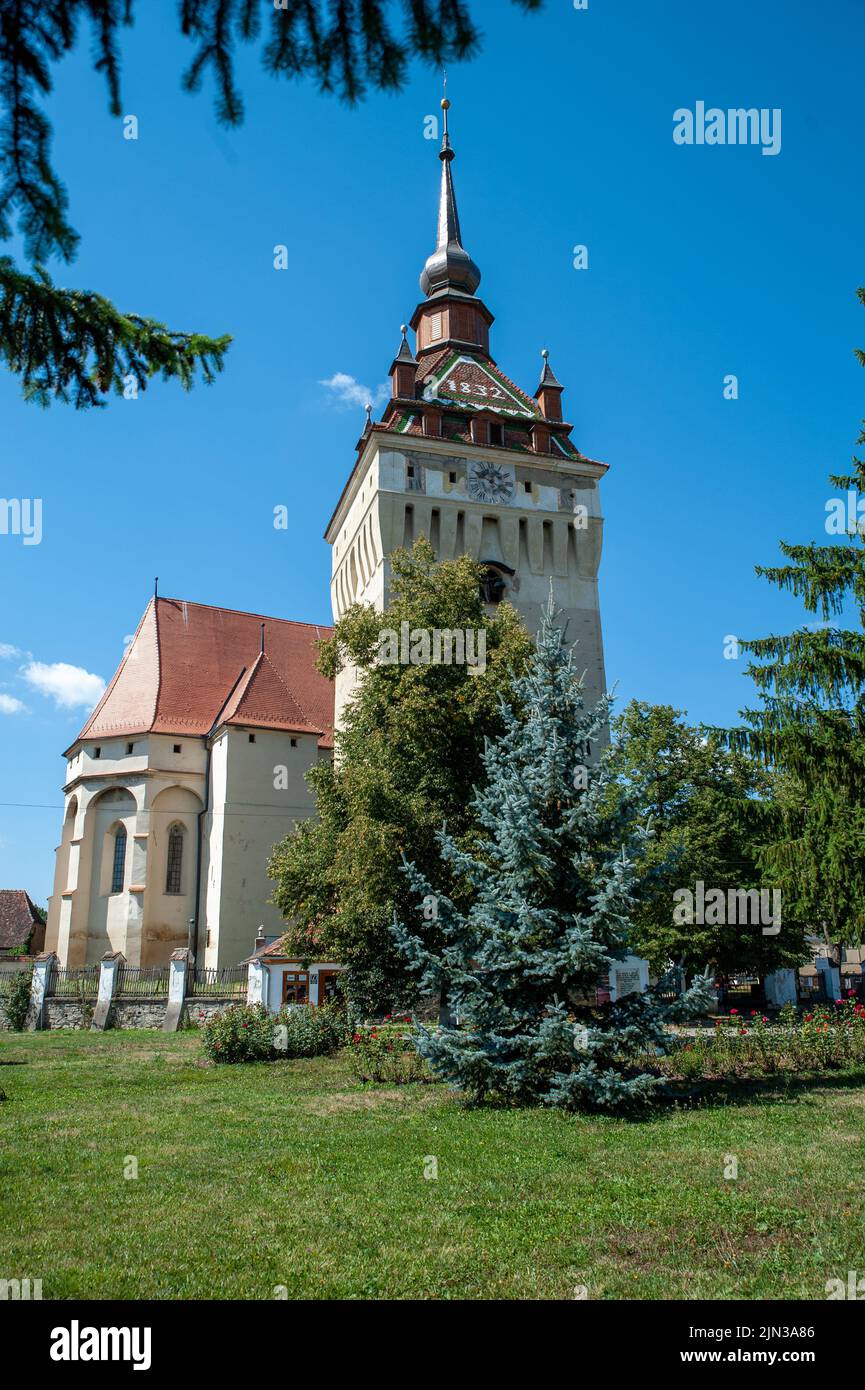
pixel 198 1011
pixel 137 1013
pixel 65 1013
pixel 127 1013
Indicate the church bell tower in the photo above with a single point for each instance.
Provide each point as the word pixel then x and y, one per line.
pixel 463 456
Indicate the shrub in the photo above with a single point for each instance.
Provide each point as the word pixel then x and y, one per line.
pixel 241 1033
pixel 313 1032
pixel 15 999
pixel 387 1053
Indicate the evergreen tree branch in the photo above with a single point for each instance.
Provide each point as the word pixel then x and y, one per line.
pixel 75 346
pixel 347 46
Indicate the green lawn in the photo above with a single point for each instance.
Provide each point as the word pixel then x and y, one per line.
pixel 290 1174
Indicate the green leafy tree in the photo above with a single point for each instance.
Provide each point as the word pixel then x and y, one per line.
pixel 810 725
pixel 74 345
pixel 406 760
pixel 710 806
pixel 552 879
pixel 15 999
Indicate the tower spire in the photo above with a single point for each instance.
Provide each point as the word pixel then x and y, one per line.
pixel 450 267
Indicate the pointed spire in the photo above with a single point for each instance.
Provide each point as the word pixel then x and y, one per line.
pixel 549 391
pixel 405 353
pixel 548 376
pixel 403 369
pixel 450 267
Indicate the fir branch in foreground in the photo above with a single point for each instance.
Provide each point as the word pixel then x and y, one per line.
pixel 75 346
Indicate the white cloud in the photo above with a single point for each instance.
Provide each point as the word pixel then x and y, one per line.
pixel 348 391
pixel 67 685
pixel 8 652
pixel 9 705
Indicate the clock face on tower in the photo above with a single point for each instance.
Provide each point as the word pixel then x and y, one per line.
pixel 490 482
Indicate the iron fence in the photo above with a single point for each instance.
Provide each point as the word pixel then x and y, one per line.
pixel 135 982
pixel 74 982
pixel 230 982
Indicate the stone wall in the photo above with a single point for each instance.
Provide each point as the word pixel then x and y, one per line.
pixel 65 1013
pixel 141 1012
pixel 199 1010
pixel 144 1012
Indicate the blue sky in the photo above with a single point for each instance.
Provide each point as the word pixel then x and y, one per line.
pixel 703 261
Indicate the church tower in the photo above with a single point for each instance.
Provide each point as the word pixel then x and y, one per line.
pixel 463 456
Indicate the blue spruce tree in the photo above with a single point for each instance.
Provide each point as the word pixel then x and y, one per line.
pixel 551 885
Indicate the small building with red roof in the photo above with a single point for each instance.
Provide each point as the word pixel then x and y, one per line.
pixel 22 926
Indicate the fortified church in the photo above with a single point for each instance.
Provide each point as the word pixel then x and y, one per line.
pixel 171 804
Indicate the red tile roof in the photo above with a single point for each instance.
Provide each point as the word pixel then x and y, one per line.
pixel 19 921
pixel 192 667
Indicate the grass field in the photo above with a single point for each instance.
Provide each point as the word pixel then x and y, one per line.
pixel 290 1174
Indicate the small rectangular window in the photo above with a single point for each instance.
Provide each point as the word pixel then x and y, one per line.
pixel 527 486
pixel 409 470
pixel 435 326
pixel 294 743
pixel 295 987
pixel 452 477
pixel 252 738
pixel 496 434
pixel 129 748
pixel 97 752
pixel 177 747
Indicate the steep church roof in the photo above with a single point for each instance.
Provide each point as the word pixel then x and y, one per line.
pixel 192 667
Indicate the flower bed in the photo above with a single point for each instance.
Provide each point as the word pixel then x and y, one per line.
pixel 385 1053
pixel 827 1038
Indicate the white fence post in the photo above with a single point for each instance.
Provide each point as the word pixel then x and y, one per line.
pixel 257 983
pixel 181 961
pixel 42 968
pixel 109 971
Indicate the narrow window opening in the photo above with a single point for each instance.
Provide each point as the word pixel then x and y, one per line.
pixel 97 752
pixel 294 743
pixel 497 434
pixel 129 748
pixel 119 865
pixel 177 747
pixel 174 867
pixel 452 477
pixel 252 738
pixel 527 487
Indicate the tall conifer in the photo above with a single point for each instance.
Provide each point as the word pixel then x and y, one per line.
pixel 811 721
pixel 552 892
